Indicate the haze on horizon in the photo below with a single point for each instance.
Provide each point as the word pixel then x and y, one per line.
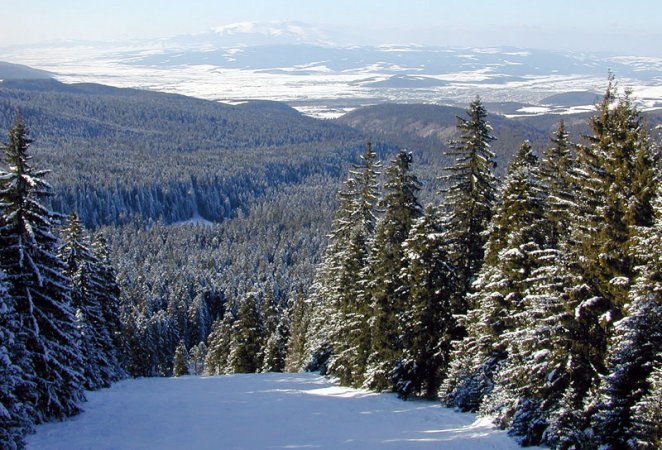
pixel 589 25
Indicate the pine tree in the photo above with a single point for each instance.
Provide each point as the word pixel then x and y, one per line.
pixel 220 340
pixel 181 362
pixel 647 415
pixel 385 263
pixel 247 334
pixel 470 196
pixel 299 318
pixel 556 166
pixel 52 361
pixel 614 181
pixel 100 365
pixel 14 415
pixel 197 356
pixel 426 322
pixel 515 235
pixel 636 344
pixel 109 300
pixel 339 325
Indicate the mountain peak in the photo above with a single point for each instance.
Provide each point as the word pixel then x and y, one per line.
pixel 280 32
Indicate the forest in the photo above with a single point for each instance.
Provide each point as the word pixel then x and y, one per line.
pixel 519 280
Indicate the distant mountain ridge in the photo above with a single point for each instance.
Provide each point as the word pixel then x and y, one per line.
pixel 321 73
pixel 9 71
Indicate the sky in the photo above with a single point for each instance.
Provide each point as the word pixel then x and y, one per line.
pixel 588 25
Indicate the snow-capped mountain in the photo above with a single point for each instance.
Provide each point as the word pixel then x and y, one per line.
pixel 320 73
pixel 245 34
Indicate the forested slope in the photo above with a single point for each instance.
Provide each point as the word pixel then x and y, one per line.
pixel 121 153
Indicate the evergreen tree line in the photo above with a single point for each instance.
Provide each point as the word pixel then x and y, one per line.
pixel 535 300
pixel 59 303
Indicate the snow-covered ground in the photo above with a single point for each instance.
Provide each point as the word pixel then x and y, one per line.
pixel 261 411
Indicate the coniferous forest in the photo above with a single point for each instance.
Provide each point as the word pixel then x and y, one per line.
pixel 532 295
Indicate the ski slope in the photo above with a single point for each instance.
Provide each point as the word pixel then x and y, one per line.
pixel 261 411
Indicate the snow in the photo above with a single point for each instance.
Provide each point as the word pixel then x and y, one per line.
pixel 261 411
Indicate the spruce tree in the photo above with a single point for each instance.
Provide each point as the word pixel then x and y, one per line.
pixel 614 182
pixel 344 295
pixel 247 334
pixel 14 415
pixel 381 277
pixel 515 234
pixel 636 344
pixel 100 364
pixel 556 165
pixel 220 341
pixel 197 356
pixel 109 300
pixel 470 196
pixel 647 415
pixel 181 362
pixel 426 321
pixel 298 313
pixel 52 361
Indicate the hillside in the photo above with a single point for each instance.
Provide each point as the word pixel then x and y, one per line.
pixel 259 412
pixel 121 153
pixel 427 129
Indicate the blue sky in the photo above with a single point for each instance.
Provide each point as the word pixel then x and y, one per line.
pixel 599 25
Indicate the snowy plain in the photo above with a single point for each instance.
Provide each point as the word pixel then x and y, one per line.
pixel 261 411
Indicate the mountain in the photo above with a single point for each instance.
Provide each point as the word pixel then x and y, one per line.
pixel 9 71
pixel 320 72
pixel 569 99
pixel 246 34
pixel 118 154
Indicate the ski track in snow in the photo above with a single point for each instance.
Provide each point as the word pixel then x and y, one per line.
pixel 265 411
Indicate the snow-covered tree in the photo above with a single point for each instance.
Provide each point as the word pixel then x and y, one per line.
pixel 514 237
pixel 298 314
pixel 381 278
pixel 647 415
pixel 636 344
pixel 470 196
pixel 220 340
pixel 615 185
pixel 197 356
pixel 181 361
pixel 556 166
pixel 52 361
pixel 14 418
pixel 100 363
pixel 109 300
pixel 339 324
pixel 247 334
pixel 426 321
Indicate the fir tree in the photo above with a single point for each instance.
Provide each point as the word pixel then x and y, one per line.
pixel 385 263
pixel 647 415
pixel 556 166
pixel 344 296
pixel 14 418
pixel 470 196
pixel 109 300
pixel 181 362
pixel 247 334
pixel 197 356
pixel 298 313
pixel 220 340
pixel 426 322
pixel 52 361
pixel 100 364
pixel 515 235
pixel 636 344
pixel 614 182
